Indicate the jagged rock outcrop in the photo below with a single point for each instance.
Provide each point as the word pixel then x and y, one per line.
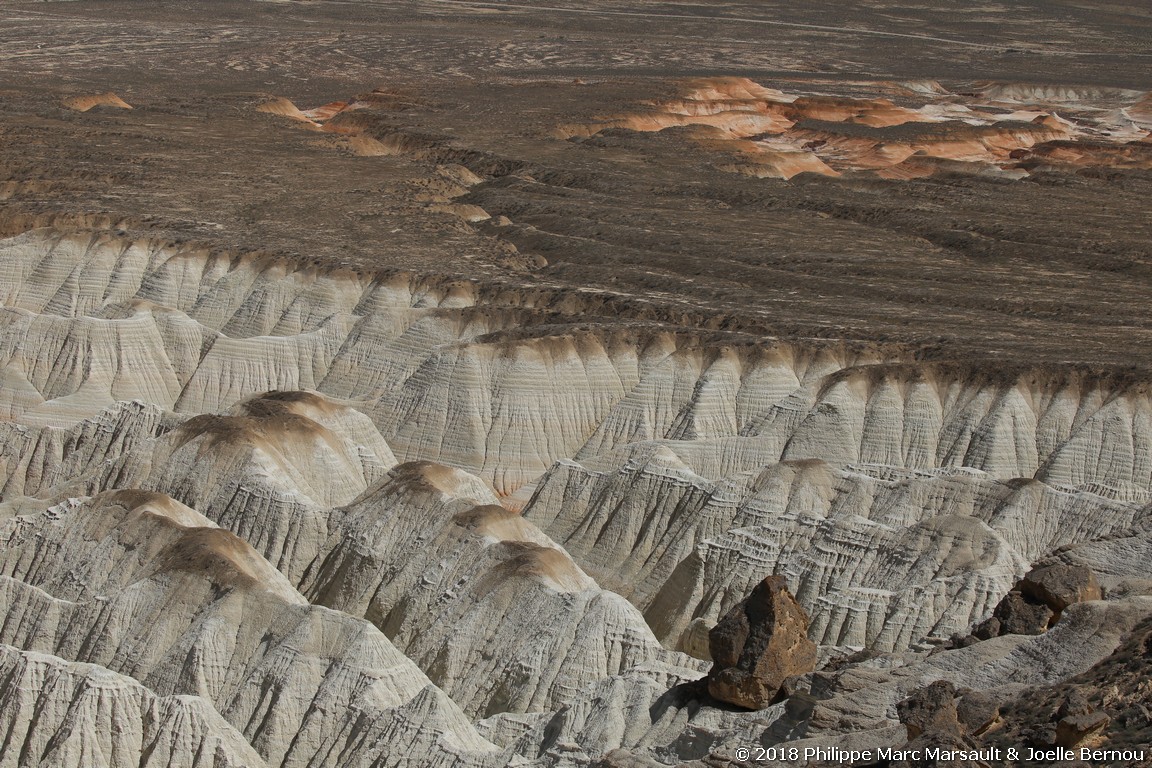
pixel 932 708
pixel 758 645
pixel 932 720
pixel 1017 615
pixel 1078 722
pixel 1059 586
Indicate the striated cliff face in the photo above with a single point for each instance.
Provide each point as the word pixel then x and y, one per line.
pixel 285 515
pixel 448 373
pixel 451 577
pixel 880 557
pixel 146 587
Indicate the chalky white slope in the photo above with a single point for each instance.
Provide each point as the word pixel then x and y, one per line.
pixel 146 587
pixel 354 518
pixel 880 557
pixel 495 613
pixel 64 713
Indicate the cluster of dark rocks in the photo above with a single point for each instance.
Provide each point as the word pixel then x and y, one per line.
pixel 760 653
pixel 1036 603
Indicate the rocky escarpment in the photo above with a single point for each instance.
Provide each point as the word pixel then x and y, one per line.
pixel 445 525
pixel 442 376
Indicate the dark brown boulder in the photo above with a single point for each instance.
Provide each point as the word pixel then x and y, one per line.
pixel 1019 615
pixel 1078 721
pixel 937 724
pixel 1037 600
pixel 622 758
pixel 985 630
pixel 1075 730
pixel 977 712
pixel 1075 703
pixel 758 645
pixel 1059 586
pixel 930 709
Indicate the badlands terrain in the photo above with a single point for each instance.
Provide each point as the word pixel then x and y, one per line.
pixel 638 384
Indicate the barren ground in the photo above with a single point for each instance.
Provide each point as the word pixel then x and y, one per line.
pixel 1050 268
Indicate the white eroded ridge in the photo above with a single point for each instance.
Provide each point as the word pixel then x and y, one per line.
pixel 264 513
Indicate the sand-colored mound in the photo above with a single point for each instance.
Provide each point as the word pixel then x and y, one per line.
pixel 85 103
pixel 778 134
pixel 282 107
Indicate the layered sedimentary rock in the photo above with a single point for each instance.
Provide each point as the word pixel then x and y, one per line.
pixel 479 531
pixel 879 557
pixel 148 588
pixel 64 713
pixel 39 458
pixel 451 577
pixel 198 332
pixel 424 551
pixel 269 471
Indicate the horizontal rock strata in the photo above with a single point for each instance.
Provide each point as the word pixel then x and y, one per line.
pixel 287 515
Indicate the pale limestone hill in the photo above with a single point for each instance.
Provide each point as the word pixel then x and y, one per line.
pixel 495 613
pixel 65 713
pixel 147 588
pixel 880 557
pixel 423 551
